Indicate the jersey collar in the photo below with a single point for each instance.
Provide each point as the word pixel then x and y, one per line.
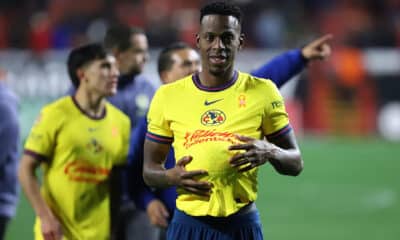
pixel 197 83
pixel 103 114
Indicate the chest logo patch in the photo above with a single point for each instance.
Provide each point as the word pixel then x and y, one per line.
pixel 206 103
pixel 213 117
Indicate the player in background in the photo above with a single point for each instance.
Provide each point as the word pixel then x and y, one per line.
pixel 77 140
pixel 9 142
pixel 130 47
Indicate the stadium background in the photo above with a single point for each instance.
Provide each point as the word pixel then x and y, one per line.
pixel 346 110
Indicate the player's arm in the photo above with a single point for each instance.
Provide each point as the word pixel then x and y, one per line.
pixel 38 146
pixel 283 153
pixel 318 49
pixel 51 228
pixel 285 66
pixel 158 141
pixel 155 175
pixel 282 67
pixel 9 132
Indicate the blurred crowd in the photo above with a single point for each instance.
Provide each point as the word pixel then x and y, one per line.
pixel 58 24
pixel 356 81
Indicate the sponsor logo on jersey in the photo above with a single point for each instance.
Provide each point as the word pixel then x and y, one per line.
pixel 82 171
pixel 94 146
pixel 202 136
pixel 213 117
pixel 277 104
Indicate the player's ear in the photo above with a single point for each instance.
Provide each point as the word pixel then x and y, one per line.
pixel 198 41
pixel 164 77
pixel 241 41
pixel 80 73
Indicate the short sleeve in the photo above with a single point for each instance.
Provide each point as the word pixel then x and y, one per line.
pixel 42 138
pixel 158 129
pixel 275 119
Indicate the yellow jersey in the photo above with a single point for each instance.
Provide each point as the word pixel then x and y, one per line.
pixel 201 122
pixel 77 154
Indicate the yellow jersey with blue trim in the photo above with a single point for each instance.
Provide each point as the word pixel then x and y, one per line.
pixel 77 153
pixel 202 122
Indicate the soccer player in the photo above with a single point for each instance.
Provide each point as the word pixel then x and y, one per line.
pixel 77 140
pixel 9 142
pixel 217 121
pixel 130 47
pixel 179 60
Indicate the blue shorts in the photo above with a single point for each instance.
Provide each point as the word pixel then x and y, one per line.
pixel 243 225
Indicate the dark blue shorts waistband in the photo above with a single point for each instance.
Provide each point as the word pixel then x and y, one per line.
pixel 247 216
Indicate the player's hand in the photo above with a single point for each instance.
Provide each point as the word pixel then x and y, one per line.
pixel 178 176
pixel 51 228
pixel 158 213
pixel 257 152
pixel 318 49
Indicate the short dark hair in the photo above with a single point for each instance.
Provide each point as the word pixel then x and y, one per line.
pixel 221 8
pixel 119 36
pixel 165 60
pixel 81 56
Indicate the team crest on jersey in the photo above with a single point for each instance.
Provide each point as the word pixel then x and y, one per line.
pixel 213 117
pixel 94 146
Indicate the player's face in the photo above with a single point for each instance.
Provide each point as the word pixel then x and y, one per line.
pixel 101 76
pixel 219 40
pixel 185 62
pixel 132 60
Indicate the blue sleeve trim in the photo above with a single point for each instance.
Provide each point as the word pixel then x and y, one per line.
pixel 158 138
pixel 35 155
pixel 283 131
